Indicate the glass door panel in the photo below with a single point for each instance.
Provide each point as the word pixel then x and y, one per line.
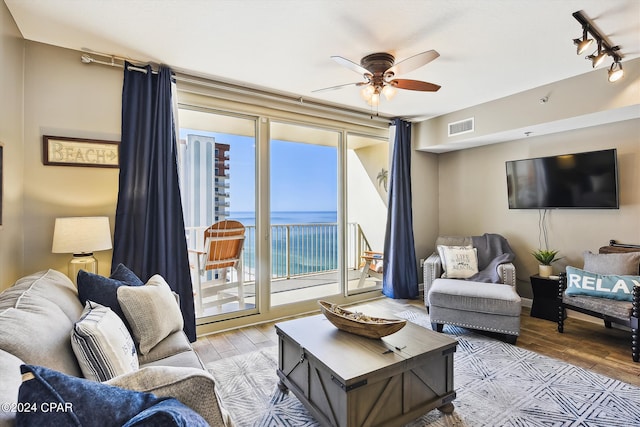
pixel 218 180
pixel 304 213
pixel 367 182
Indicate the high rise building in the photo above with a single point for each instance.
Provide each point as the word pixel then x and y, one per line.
pixel 205 180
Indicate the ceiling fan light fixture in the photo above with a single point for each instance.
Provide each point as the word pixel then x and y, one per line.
pixel 367 92
pixel 616 72
pixel 374 101
pixel 389 92
pixel 379 71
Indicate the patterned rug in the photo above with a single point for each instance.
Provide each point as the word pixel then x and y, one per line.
pixel 497 384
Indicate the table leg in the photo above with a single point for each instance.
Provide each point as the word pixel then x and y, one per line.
pixel 282 387
pixel 447 408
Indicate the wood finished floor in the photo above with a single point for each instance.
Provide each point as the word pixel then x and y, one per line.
pixel 585 344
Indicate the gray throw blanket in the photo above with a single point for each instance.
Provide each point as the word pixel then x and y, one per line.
pixel 493 250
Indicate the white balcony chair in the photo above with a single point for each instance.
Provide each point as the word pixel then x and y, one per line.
pixel 223 245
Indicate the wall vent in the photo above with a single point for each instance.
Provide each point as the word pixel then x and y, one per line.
pixel 462 126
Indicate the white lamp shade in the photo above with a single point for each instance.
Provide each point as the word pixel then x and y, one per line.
pixel 81 235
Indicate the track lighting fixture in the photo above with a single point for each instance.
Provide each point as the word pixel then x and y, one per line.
pixel 615 72
pixel 584 43
pixel 604 47
pixel 598 56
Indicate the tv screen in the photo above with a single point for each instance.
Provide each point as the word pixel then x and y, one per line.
pixel 586 180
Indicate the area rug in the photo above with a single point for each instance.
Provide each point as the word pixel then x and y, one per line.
pixel 497 384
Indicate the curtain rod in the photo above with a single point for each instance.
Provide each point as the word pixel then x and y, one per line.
pixel 185 77
pixel 88 59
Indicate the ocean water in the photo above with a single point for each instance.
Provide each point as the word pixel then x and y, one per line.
pixel 301 242
pixel 288 217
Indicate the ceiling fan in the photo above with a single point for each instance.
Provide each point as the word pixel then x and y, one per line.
pixel 379 71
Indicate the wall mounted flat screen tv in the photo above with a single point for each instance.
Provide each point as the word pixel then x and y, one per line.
pixel 586 180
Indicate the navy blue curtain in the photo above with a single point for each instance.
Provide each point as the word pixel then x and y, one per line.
pixel 400 277
pixel 149 231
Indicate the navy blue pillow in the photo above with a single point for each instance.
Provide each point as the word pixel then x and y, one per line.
pixel 169 412
pixel 51 398
pixel 104 290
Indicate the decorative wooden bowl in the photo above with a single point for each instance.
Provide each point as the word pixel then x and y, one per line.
pixel 358 323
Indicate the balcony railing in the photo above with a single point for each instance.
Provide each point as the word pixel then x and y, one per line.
pixel 297 249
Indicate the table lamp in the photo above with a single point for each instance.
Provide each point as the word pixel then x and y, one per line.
pixel 81 236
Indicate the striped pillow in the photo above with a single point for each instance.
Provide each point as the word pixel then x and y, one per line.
pixel 102 344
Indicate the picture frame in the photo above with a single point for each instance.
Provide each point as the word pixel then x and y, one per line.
pixel 65 151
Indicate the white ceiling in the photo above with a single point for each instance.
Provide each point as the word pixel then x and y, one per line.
pixel 489 48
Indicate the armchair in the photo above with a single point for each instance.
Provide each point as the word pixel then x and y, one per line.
pixel 486 300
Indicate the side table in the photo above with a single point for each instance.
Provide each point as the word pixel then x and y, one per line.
pixel 545 298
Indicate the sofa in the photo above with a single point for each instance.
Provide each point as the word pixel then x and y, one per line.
pixel 38 316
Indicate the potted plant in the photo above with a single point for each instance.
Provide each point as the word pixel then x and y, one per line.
pixel 545 258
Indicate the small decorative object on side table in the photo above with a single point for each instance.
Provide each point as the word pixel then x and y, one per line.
pixel 545 297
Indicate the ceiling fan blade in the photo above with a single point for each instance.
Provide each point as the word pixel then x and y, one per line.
pixel 413 62
pixel 414 85
pixel 350 65
pixel 339 87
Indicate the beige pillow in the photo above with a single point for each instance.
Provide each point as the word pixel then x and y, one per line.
pixel 102 344
pixel 626 264
pixel 152 312
pixel 459 262
pixel 441 254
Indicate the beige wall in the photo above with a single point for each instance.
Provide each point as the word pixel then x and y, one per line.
pixel 64 97
pixel 473 196
pixel 572 103
pixel 11 117
pixel 367 201
pixel 424 190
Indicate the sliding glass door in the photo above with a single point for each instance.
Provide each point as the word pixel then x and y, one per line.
pixel 367 165
pixel 218 183
pixel 304 213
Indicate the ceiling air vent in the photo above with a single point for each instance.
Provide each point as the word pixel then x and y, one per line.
pixel 462 126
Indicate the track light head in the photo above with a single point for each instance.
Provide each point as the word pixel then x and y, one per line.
pixel 584 43
pixel 615 72
pixel 598 57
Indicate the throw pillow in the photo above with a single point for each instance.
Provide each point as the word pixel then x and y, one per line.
pixel 459 262
pixel 619 263
pixel 102 344
pixel 103 290
pixel 612 286
pixel 152 312
pixel 51 398
pixel 169 412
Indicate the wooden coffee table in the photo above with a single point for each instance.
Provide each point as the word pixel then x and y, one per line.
pixel 348 380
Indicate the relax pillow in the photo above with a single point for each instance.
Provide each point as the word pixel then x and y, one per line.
pixel 103 290
pixel 619 263
pixel 51 398
pixel 580 282
pixel 152 312
pixel 102 344
pixel 458 262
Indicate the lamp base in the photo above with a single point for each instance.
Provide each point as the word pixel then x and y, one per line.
pixel 84 262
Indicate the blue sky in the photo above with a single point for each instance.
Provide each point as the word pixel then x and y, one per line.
pixel 303 176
